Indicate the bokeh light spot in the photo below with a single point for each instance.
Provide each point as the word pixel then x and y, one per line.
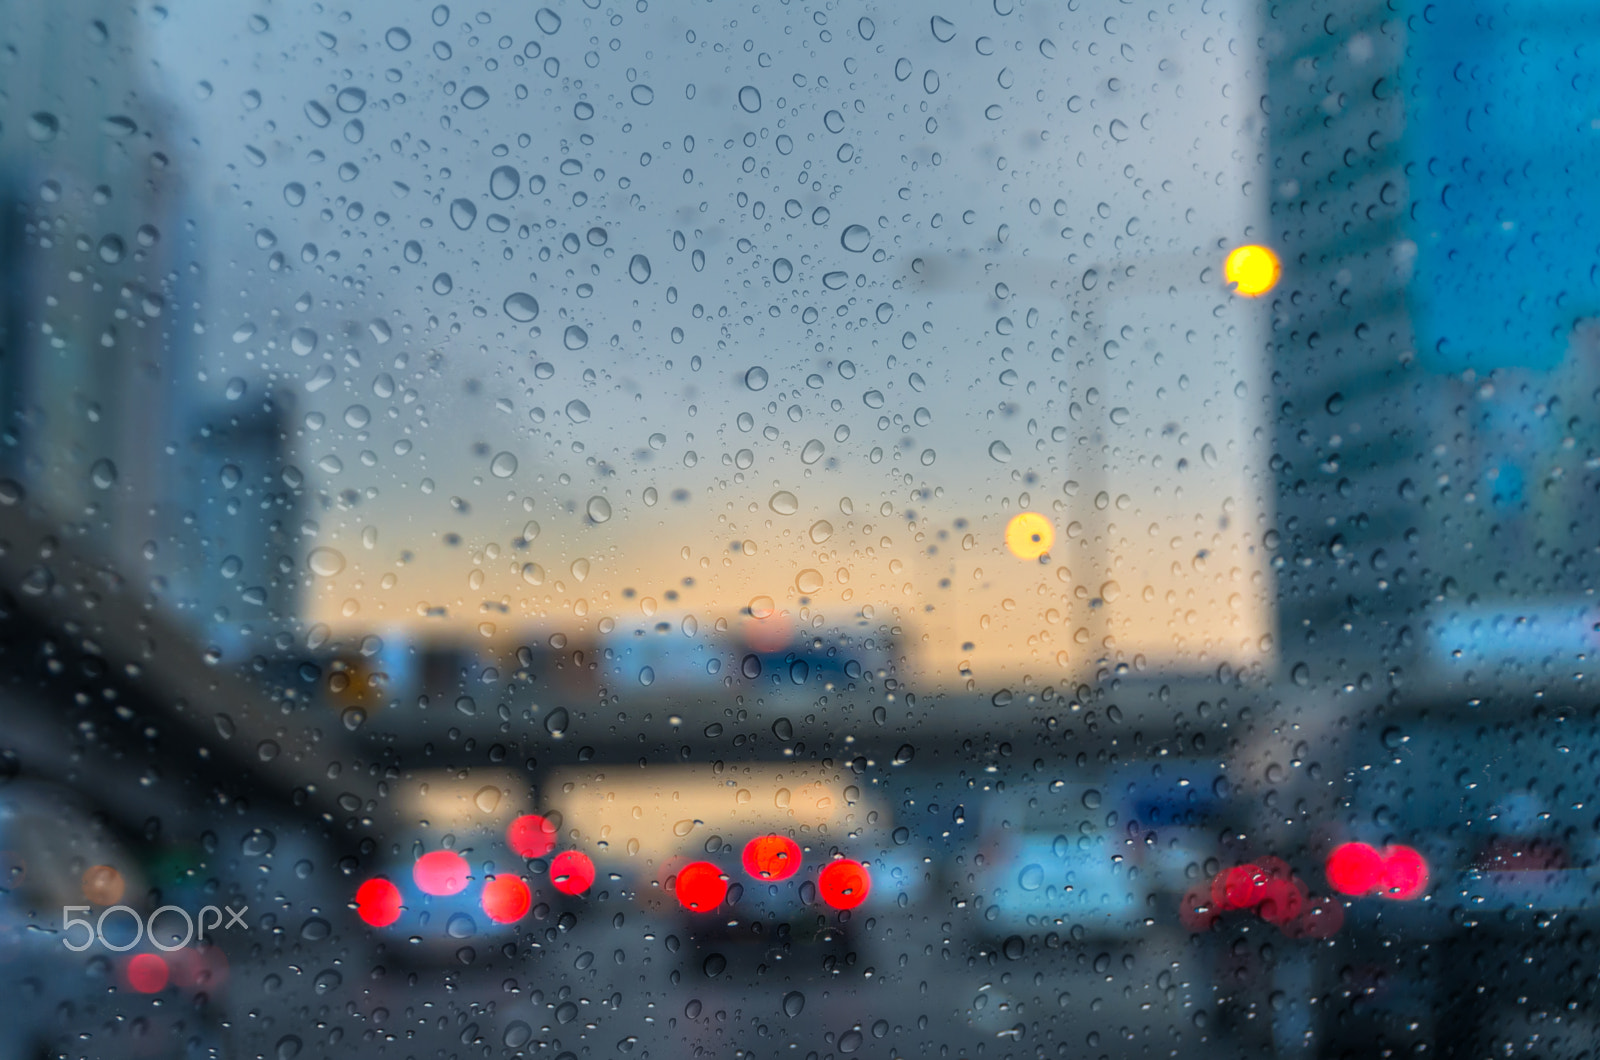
pixel 1252 270
pixel 700 887
pixel 1354 869
pixel 1405 873
pixel 506 899
pixel 531 836
pixel 378 902
pixel 1029 535
pixel 103 885
pixel 147 973
pixel 441 872
pixel 844 884
pixel 772 857
pixel 571 872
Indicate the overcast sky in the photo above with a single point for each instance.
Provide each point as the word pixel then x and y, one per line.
pixel 864 258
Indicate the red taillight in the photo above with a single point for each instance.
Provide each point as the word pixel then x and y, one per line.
pixel 772 857
pixel 1397 872
pixel 571 872
pixel 1354 868
pixel 506 899
pixel 378 902
pixel 531 836
pixel 441 872
pixel 700 887
pixel 147 973
pixel 1405 873
pixel 844 884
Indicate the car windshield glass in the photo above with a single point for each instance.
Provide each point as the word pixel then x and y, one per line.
pixel 601 528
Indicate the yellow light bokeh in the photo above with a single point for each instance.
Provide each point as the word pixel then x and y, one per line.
pixel 1252 270
pixel 1029 535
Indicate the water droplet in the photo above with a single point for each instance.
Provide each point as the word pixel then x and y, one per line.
pixel 577 411
pixel 325 562
pixel 1000 452
pixel 547 20
pixel 1031 878
pixel 521 307
pixel 356 417
pixel 303 341
pixel 794 1002
pixel 855 238
pixel 533 574
pixel 580 569
pixel 504 465
pixel 474 97
pixel 821 530
pixel 258 842
pixel 556 722
pixel 944 31
pixel 488 799
pixel 462 213
pixel 460 926
pixel 397 38
pixel 351 100
pixel 782 270
pixel 43 127
pixel 784 503
pixel 443 284
pixel 643 95
pixel 808 581
pixel 639 268
pixel 103 474
pixel 599 509
pixel 812 452
pixel 750 99
pixel 762 606
pixel 504 182
pixel 756 378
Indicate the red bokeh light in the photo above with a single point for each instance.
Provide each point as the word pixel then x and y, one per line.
pixel 1354 868
pixel 1241 887
pixel 531 836
pixel 202 968
pixel 1405 873
pixel 571 872
pixel 1397 872
pixel 147 973
pixel 772 857
pixel 441 872
pixel 506 899
pixel 378 902
pixel 700 886
pixel 844 884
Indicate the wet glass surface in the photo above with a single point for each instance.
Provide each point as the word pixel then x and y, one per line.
pixel 790 529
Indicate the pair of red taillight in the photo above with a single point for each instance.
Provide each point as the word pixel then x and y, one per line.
pixel 843 884
pixel 1397 872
